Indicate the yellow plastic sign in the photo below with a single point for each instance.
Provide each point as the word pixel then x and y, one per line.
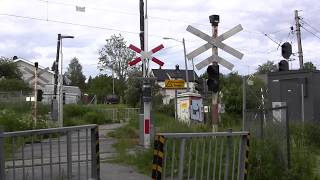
pixel 174 84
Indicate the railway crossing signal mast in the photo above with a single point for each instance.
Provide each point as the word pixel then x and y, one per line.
pixel 145 57
pixel 214 42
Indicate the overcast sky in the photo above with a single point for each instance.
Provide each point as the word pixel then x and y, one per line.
pixel 29 29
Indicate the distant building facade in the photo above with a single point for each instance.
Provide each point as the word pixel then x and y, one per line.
pixel 45 82
pixel 169 74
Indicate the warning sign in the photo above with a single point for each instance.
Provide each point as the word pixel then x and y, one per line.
pixel 174 84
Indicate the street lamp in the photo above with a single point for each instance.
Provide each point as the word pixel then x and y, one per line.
pixel 59 51
pixel 185 58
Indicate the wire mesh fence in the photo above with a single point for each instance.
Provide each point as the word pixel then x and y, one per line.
pixel 270 131
pixel 120 114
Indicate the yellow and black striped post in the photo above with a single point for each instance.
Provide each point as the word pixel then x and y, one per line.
pixel 246 166
pixel 158 156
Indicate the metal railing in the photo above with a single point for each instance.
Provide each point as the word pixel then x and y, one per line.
pixel 120 114
pixel 219 155
pixel 56 153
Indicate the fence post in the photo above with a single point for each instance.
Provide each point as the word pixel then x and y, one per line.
pixel 288 136
pixel 2 156
pixel 69 154
pixel 181 159
pixel 243 157
pixel 95 159
pixel 261 123
pixel 229 144
pixel 158 158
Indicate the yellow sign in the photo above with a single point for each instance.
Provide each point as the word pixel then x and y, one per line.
pixel 174 84
pixel 184 106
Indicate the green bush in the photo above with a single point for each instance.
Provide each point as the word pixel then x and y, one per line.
pixel 74 110
pixel 167 109
pixel 12 121
pixel 83 114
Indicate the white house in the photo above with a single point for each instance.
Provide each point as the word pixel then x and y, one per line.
pixel 166 74
pixel 45 82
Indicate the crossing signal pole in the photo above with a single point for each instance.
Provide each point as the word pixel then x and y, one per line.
pixel 214 20
pixel 141 8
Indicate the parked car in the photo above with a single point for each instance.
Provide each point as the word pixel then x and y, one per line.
pixel 112 99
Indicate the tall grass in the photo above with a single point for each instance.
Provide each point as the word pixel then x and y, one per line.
pixel 266 156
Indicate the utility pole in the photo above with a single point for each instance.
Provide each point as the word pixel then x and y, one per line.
pixel 60 104
pixel 186 64
pixel 214 20
pixel 35 92
pixel 141 8
pixel 58 81
pixel 54 103
pixel 244 102
pixel 300 53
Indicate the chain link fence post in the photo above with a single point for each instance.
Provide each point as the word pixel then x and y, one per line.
pixel 2 156
pixel 95 159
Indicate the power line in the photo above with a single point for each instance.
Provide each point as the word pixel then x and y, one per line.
pixel 122 12
pixel 81 25
pixel 69 23
pixel 150 17
pixel 311 32
pixel 310 25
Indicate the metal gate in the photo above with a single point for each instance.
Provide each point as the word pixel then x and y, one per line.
pixel 219 155
pixel 51 154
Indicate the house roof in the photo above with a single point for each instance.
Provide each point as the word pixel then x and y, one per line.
pixel 164 74
pixel 32 64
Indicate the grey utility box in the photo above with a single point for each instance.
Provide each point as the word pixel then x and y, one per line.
pixel 300 90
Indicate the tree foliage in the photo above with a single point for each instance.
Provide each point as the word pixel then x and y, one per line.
pixel 101 86
pixel 267 67
pixel 10 76
pixel 13 85
pixel 115 55
pixel 133 91
pixel 75 75
pixel 309 66
pixel 9 69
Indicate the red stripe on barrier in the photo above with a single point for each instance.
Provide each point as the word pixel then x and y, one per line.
pixel 157 61
pixel 136 49
pixel 156 49
pixel 131 63
pixel 147 126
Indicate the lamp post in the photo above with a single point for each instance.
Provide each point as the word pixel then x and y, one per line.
pixel 185 58
pixel 59 51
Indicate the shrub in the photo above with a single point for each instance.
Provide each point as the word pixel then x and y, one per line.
pixel 167 109
pixel 94 117
pixel 12 121
pixel 74 110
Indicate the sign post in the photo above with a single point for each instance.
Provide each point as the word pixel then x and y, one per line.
pixel 175 84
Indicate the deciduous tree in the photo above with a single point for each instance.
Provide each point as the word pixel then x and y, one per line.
pixel 75 75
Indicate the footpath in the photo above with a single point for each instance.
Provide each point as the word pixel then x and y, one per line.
pixel 110 171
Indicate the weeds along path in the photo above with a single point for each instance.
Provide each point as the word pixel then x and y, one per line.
pixel 110 171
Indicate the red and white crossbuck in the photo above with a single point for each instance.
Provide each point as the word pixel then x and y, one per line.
pixel 146 55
